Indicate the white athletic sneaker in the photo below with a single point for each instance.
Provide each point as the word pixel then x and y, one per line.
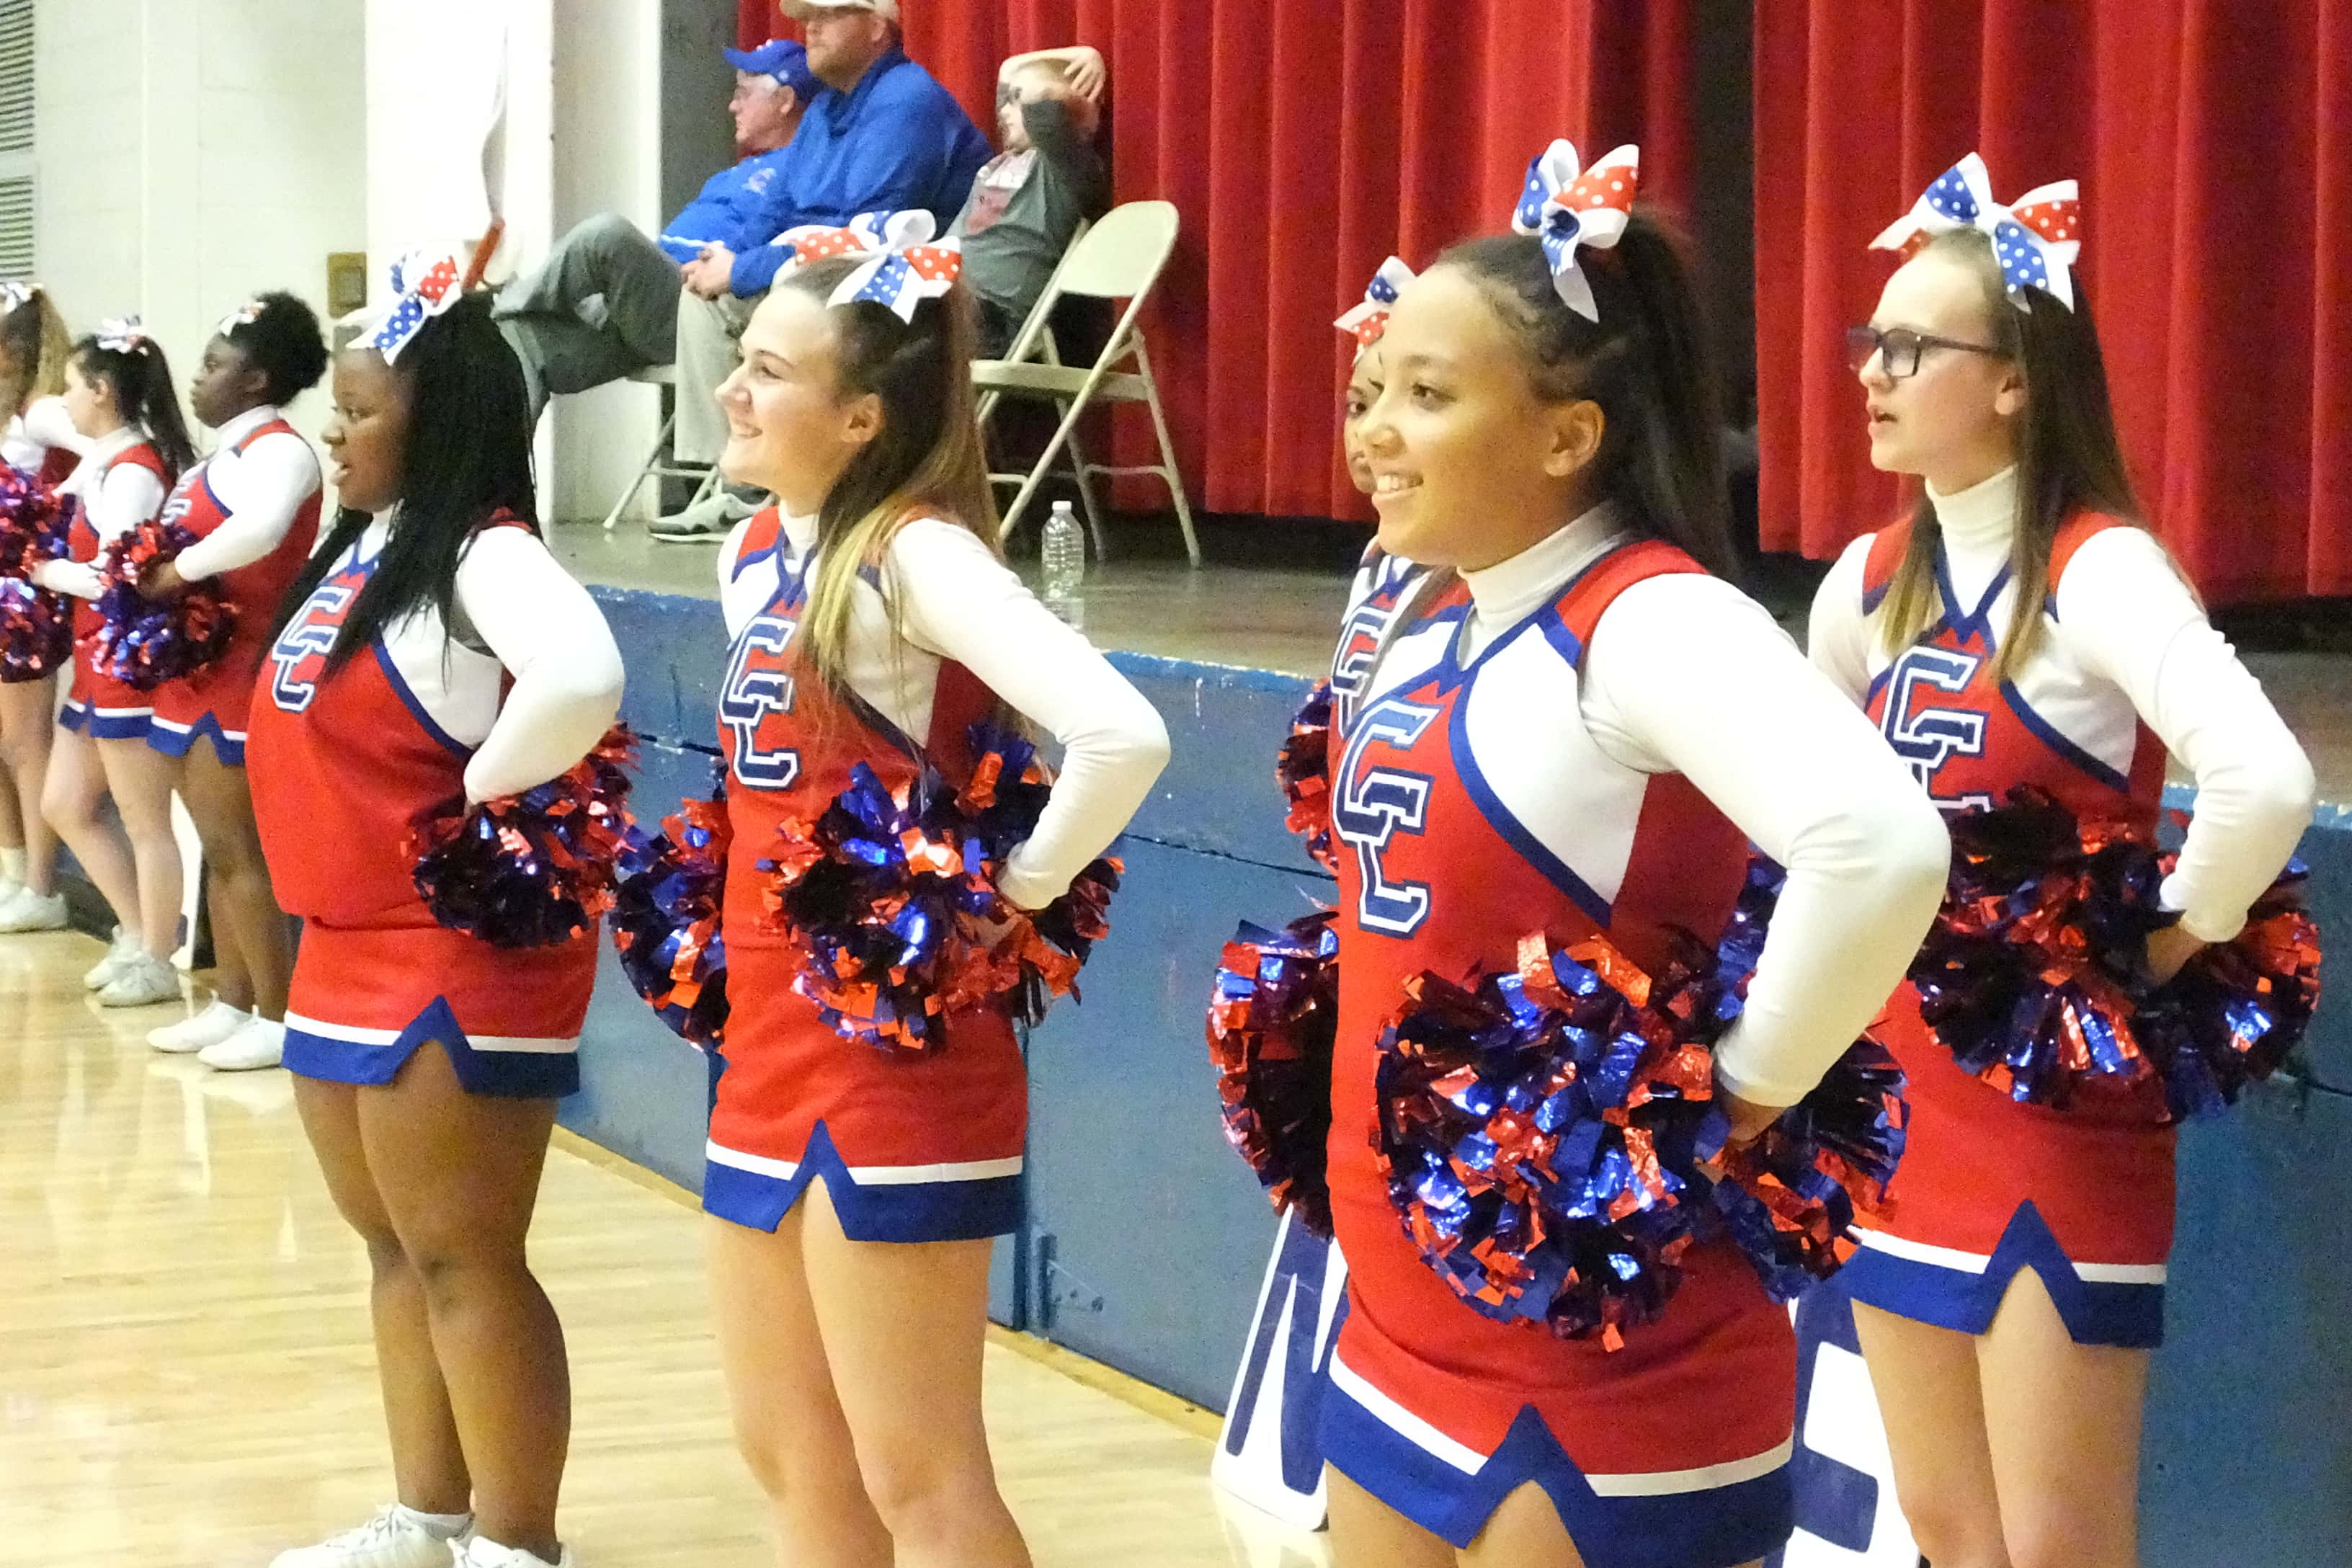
pixel 26 911
pixel 140 982
pixel 394 1538
pixel 258 1043
pixel 209 1027
pixel 124 947
pixel 480 1553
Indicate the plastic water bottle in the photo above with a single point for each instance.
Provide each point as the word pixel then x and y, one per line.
pixel 1065 552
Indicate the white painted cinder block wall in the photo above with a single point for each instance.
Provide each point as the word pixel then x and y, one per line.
pixel 579 136
pixel 193 152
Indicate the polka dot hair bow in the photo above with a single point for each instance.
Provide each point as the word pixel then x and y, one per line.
pixel 865 232
pixel 904 278
pixel 1369 319
pixel 425 284
pixel 1567 209
pixel 2036 239
pixel 123 334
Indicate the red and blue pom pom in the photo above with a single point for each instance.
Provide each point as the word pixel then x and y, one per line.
pixel 891 897
pixel 533 869
pixel 667 919
pixel 143 642
pixel 36 625
pixel 1304 771
pixel 36 632
pixel 1545 1133
pixel 1790 1197
pixel 1273 1016
pixel 2034 975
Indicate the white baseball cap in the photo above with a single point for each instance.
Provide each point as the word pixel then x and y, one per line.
pixel 798 10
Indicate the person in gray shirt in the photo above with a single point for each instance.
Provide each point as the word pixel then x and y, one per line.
pixel 1029 200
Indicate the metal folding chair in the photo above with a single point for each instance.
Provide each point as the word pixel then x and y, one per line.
pixel 1120 258
pixel 654 467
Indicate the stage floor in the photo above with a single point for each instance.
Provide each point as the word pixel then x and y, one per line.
pixel 1282 617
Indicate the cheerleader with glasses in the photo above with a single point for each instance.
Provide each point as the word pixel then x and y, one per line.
pixel 2024 627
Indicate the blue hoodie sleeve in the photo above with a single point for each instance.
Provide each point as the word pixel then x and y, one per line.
pixel 921 149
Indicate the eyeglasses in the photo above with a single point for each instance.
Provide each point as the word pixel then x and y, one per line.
pixel 1899 348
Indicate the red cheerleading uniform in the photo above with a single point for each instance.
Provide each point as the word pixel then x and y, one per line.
pixel 214 702
pixel 1471 805
pixel 96 702
pixel 341 767
pixel 911 1149
pixel 1990 1186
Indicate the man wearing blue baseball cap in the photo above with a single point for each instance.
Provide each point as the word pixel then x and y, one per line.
pixel 605 303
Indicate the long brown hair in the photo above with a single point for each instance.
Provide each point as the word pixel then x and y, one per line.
pixel 928 460
pixel 2068 457
pixel 34 348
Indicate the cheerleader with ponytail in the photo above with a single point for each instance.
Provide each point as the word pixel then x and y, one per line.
pixel 119 397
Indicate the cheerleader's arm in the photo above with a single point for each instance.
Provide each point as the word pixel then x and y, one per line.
pixel 1684 674
pixel 1838 634
pixel 553 641
pixel 964 604
pixel 2127 615
pixel 263 491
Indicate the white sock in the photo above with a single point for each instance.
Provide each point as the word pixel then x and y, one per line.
pixel 440 1526
pixel 12 865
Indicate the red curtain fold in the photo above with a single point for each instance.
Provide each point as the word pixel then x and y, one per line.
pixel 1304 140
pixel 2214 144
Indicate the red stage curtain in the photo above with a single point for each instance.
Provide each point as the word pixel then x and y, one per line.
pixel 1303 142
pixel 2214 143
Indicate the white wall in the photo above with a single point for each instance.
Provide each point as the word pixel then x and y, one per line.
pixel 607 132
pixel 578 136
pixel 194 153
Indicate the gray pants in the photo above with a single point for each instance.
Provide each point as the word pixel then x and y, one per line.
pixel 603 304
pixel 707 334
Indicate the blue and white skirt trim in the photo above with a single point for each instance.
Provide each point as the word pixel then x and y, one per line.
pixel 1716 1516
pixel 2100 1303
pixel 501 1066
pixel 963 1201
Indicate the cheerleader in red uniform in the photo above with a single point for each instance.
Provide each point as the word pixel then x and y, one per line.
pixel 253 507
pixel 1561 722
pixel 2022 627
pixel 854 1194
pixel 119 394
pixel 433 649
pixel 1364 322
pixel 42 444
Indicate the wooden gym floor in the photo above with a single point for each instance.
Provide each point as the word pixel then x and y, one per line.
pixel 186 1378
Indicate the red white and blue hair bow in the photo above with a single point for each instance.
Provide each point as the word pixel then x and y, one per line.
pixel 123 334
pixel 904 278
pixel 1370 318
pixel 865 232
pixel 425 284
pixel 2036 239
pixel 1568 207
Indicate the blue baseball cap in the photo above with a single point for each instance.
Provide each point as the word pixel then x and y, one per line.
pixel 782 58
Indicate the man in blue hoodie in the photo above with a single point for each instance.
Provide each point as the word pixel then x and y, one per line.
pixel 605 303
pixel 885 137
